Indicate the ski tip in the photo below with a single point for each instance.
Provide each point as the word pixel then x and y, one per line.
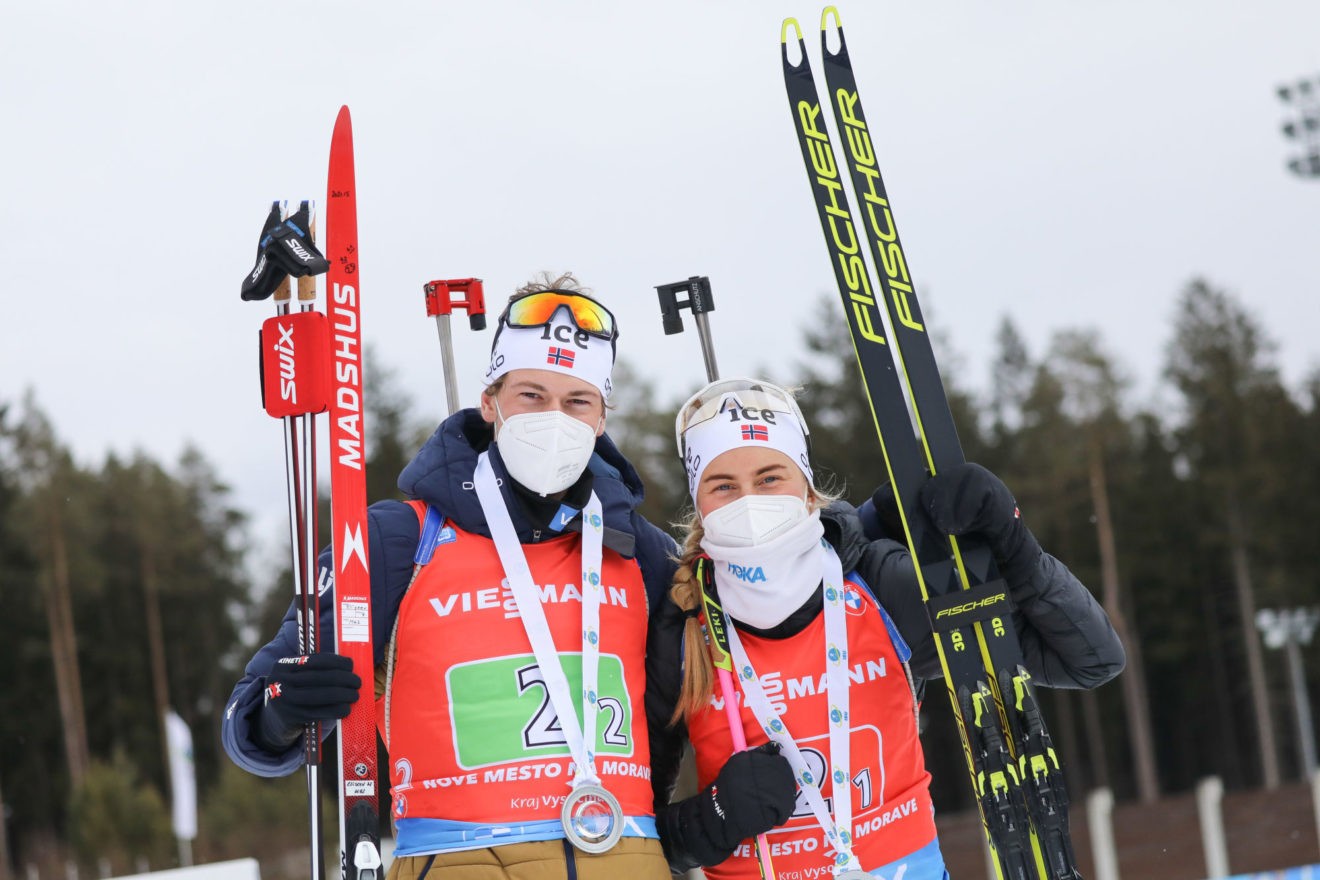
pixel 831 12
pixel 341 138
pixel 783 30
pixel 343 121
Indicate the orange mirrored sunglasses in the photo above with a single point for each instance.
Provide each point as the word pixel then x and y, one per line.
pixel 539 308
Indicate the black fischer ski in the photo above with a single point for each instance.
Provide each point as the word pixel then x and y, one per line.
pixel 1015 772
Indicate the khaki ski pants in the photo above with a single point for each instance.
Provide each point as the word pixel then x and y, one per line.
pixel 632 858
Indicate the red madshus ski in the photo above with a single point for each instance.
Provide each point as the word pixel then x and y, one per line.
pixel 359 804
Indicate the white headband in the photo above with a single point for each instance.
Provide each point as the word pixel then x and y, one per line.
pixel 559 347
pixel 762 416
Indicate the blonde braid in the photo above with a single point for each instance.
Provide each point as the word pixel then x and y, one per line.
pixel 698 671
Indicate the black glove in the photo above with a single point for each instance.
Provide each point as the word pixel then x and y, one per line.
pixel 300 690
pixel 968 499
pixel 880 517
pixel 753 793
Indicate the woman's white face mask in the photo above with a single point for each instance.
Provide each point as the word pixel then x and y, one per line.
pixel 545 451
pixel 766 554
pixel 754 519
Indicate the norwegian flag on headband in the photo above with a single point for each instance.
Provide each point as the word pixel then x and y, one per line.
pixel 560 357
pixel 755 432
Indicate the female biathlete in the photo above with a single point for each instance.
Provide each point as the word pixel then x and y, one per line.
pixel 829 641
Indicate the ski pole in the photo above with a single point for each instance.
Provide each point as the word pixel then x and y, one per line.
pixel 291 353
pixel 718 642
pixel 701 302
pixel 312 602
pixel 311 596
pixel 440 302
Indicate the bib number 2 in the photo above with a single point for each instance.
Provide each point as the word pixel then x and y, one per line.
pixel 500 710
pixel 544 729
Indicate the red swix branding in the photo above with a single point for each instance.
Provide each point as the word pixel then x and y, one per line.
pixel 294 379
pixel 287 350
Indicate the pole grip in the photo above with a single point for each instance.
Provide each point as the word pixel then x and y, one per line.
pixel 440 299
pixel 701 302
pixel 440 304
pixel 669 314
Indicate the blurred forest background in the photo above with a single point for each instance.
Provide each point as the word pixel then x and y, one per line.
pixel 126 584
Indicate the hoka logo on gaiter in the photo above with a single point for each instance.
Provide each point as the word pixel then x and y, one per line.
pixel 749 574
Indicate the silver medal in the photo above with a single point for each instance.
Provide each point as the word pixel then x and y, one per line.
pixel 592 818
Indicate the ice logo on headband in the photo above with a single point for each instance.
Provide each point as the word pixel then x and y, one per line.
pixel 560 346
pixel 736 412
pixel 739 413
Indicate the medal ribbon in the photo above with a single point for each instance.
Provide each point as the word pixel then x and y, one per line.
pixel 581 737
pixel 838 828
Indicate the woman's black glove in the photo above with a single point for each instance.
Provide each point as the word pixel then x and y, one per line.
pixel 753 793
pixel 880 516
pixel 300 690
pixel 968 499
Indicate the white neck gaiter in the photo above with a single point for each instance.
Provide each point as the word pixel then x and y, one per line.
pixel 544 451
pixel 762 584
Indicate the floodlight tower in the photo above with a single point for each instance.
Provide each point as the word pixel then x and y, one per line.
pixel 1302 98
pixel 1290 628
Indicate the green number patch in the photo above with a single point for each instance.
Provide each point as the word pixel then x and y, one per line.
pixel 500 710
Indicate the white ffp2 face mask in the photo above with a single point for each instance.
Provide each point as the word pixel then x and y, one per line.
pixel 545 451
pixel 762 585
pixel 753 519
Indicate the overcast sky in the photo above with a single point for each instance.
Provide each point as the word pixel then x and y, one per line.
pixel 1070 165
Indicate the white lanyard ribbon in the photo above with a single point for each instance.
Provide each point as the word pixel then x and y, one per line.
pixel 838 828
pixel 581 737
